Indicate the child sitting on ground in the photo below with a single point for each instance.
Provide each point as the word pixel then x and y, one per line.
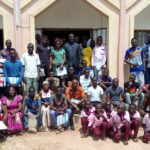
pixel 121 124
pixel 146 125
pixel 87 110
pixel 98 122
pixel 109 112
pixel 135 121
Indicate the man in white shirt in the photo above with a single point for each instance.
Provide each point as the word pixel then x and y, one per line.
pixel 99 55
pixel 85 80
pixel 95 92
pixel 31 63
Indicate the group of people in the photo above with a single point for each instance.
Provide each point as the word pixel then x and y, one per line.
pixel 53 83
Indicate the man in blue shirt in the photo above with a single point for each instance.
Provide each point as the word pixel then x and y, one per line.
pixel 135 58
pixel 13 71
pixel 146 49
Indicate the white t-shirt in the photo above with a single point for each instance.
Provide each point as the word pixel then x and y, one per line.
pixel 30 62
pixel 95 93
pixel 85 82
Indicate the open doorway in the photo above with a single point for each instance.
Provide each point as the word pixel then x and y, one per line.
pixel 59 19
pixel 63 33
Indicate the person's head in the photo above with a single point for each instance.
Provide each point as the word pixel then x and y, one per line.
pixel 84 43
pixel 115 82
pixel 58 91
pixel 99 40
pixel 13 54
pixel 86 73
pixel 94 82
pixel 71 70
pixel 108 105
pixel 132 78
pixel 57 43
pixel 84 63
pixel 71 38
pixel 30 48
pixel 38 38
pixel 51 75
pixel 121 108
pixel 31 92
pixel 132 108
pixel 61 41
pixel 8 44
pixel 105 72
pixel 87 105
pixel 148 38
pixel 45 85
pixel 76 39
pixel 99 108
pixel 75 84
pixel 11 91
pixel 134 42
pixel 45 40
pixel 92 44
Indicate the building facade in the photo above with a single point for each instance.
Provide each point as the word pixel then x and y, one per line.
pixel 118 21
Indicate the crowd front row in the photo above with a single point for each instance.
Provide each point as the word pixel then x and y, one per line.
pixel 54 110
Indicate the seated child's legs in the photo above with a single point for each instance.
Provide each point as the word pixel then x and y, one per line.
pixel 126 131
pixel 96 132
pixel 104 128
pixel 146 137
pixel 84 123
pixel 135 127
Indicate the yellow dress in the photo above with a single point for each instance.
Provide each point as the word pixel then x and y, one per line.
pixel 87 55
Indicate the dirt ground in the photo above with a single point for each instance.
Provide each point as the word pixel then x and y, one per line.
pixel 68 140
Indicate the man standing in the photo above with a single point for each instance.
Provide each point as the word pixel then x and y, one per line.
pixel 31 62
pixel 5 52
pixel 73 53
pixel 13 71
pixel 146 49
pixel 44 53
pixel 99 55
pixel 4 55
pixel 134 57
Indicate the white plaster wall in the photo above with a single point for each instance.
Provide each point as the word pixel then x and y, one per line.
pixel 1 22
pixel 142 20
pixel 71 14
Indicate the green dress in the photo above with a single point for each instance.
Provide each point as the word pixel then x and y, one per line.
pixel 58 58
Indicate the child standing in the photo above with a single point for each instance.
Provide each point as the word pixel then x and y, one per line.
pixel 121 124
pixel 85 113
pixel 98 122
pixel 146 125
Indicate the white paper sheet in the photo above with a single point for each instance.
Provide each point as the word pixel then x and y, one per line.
pixel 61 72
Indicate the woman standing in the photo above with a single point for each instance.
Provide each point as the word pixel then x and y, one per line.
pixel 58 56
pixel 12 106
